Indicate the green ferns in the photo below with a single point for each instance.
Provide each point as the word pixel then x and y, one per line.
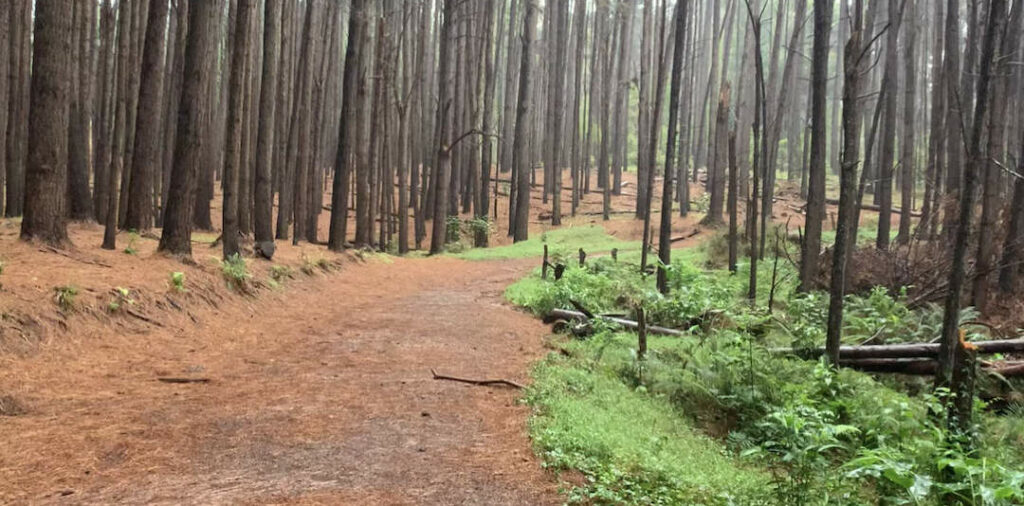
pixel 788 431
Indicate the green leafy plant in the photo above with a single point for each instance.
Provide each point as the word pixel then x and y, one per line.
pixel 308 266
pixel 178 281
pixel 133 237
pixel 480 225
pixel 235 272
pixel 818 435
pixel 453 229
pixel 65 297
pixel 122 297
pixel 279 273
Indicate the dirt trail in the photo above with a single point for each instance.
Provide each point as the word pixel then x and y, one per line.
pixel 318 394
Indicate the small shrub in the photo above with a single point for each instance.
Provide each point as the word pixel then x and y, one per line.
pixel 453 229
pixel 65 297
pixel 480 226
pixel 178 281
pixel 309 265
pixel 456 248
pixel 133 237
pixel 122 298
pixel 236 272
pixel 279 273
pixel 701 204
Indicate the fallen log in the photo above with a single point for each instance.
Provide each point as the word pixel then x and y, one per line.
pixel 872 207
pixel 914 350
pixel 916 366
pixel 476 382
pixel 565 314
pixel 686 236
pixel 925 366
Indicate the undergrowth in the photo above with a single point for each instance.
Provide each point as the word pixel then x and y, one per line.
pixel 562 241
pixel 236 273
pixel 717 418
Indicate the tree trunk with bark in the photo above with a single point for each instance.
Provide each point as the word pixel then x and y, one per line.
pixel 811 245
pixel 191 138
pixel 46 176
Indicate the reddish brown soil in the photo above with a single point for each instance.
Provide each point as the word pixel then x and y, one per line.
pixel 318 395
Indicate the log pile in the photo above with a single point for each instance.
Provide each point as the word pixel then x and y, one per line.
pixel 911 350
pixel 916 358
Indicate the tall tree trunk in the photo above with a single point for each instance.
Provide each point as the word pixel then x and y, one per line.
pixel 80 156
pixel 509 101
pixel 556 87
pixel 936 137
pixel 147 153
pixel 811 245
pixel 948 356
pixel 18 101
pixel 120 133
pixel 775 124
pixel 46 176
pixel 236 97
pixel 6 20
pixel 483 190
pixel 263 200
pixel 990 171
pixel 191 139
pixel 520 157
pixel 954 118
pixel 343 158
pixel 719 160
pixel 665 228
pixel 443 160
pixel 888 152
pixel 852 72
pixel 908 143
pixel 621 97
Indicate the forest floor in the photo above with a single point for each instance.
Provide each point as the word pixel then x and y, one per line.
pixel 316 390
pixel 318 395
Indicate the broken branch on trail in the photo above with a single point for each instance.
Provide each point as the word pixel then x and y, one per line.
pixel 489 382
pixel 183 380
pixel 565 314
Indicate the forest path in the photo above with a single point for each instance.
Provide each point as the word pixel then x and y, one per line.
pixel 319 394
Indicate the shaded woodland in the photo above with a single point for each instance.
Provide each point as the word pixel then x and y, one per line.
pixel 394 121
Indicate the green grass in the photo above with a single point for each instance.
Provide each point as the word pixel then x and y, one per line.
pixel 787 430
pixel 204 237
pixel 867 232
pixel 631 447
pixel 563 242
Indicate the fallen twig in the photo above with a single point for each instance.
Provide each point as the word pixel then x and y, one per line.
pixel 183 380
pixel 477 382
pixel 143 317
pixel 51 249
